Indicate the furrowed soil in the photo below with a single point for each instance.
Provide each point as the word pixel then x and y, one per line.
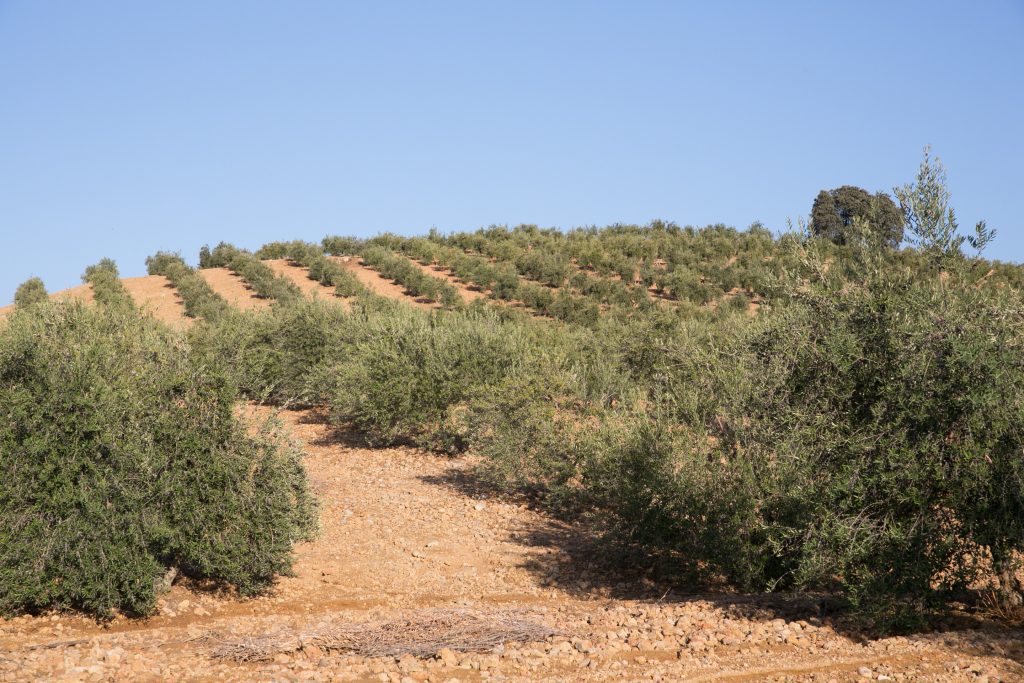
pixel 232 288
pixel 405 534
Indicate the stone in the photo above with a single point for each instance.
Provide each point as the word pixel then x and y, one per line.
pixel 448 656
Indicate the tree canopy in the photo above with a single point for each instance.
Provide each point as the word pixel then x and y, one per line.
pixel 835 212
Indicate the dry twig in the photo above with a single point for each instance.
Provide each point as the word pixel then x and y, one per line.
pixel 422 635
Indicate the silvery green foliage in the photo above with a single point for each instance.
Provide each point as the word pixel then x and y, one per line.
pixel 930 220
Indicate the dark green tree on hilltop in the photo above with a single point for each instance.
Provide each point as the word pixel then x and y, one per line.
pixel 834 212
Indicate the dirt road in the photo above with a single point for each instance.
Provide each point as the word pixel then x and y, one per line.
pixel 405 534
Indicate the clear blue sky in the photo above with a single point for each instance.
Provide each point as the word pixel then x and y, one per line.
pixel 128 127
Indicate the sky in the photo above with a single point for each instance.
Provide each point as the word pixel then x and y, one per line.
pixel 132 127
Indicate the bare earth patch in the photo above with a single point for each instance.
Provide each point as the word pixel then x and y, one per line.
pixel 232 288
pixel 156 295
pixel 81 293
pixel 414 549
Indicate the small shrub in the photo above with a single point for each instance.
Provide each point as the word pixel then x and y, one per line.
pixel 406 374
pixel 106 285
pixel 31 291
pixel 276 355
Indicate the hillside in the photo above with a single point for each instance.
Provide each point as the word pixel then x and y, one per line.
pixel 535 427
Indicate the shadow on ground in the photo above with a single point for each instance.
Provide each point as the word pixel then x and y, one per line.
pixel 585 560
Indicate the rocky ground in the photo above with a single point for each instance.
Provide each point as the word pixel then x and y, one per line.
pixel 406 535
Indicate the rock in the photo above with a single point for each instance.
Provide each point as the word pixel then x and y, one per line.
pixel 864 672
pixel 447 656
pixel 584 646
pixel 409 663
pixel 479 506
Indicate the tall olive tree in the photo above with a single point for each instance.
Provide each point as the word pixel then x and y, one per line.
pixel 930 219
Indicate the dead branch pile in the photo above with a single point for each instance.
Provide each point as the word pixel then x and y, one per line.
pixel 422 635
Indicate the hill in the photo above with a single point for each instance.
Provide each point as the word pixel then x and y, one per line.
pixel 645 452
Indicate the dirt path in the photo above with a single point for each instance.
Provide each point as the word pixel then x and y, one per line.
pixel 232 288
pixel 300 277
pixel 405 533
pixel 156 295
pixel 380 285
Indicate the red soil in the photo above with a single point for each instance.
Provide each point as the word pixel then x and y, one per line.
pixel 232 288
pixel 156 295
